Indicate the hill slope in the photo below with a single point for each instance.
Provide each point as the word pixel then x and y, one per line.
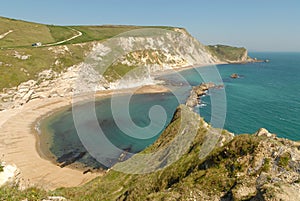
pixel 26 71
pixel 18 33
pixel 244 167
pixel 20 62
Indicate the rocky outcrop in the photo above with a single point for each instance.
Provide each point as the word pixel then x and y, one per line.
pixel 51 84
pixel 8 174
pixel 168 49
pixel 198 91
pixel 234 76
pixel 55 198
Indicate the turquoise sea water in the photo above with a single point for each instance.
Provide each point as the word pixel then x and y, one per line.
pixel 267 95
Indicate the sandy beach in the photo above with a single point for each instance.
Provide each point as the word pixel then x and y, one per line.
pixel 19 142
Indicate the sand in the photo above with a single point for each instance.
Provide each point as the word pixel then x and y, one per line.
pixel 19 142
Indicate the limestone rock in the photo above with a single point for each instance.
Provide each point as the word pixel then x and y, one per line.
pixel 9 174
pixel 264 132
pixel 197 92
pixel 55 198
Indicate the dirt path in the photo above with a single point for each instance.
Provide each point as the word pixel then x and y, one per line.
pixel 79 33
pixel 5 34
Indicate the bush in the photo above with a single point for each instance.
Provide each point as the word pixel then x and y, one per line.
pixel 284 159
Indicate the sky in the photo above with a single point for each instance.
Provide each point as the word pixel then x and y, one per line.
pixel 258 25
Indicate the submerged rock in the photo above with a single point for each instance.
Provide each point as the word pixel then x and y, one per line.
pixel 234 76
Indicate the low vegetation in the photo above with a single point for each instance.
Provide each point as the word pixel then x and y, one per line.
pixel 234 171
pixel 284 160
pixel 222 174
pixel 19 61
pixel 18 65
pixel 12 194
pixel 227 53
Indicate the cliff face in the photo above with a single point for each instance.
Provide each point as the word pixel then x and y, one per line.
pixel 112 64
pixel 168 49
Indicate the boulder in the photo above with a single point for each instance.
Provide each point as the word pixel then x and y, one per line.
pixel 55 198
pixel 234 76
pixel 264 132
pixel 197 92
pixel 9 174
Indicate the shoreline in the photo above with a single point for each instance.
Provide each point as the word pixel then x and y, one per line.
pixel 44 151
pixel 19 140
pixel 20 144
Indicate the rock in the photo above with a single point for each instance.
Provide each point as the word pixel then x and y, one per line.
pixel 234 76
pixel 192 101
pixel 9 174
pixel 244 191
pixel 264 132
pixel 197 92
pixel 55 198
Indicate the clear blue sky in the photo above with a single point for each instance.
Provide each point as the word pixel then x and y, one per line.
pixel 259 25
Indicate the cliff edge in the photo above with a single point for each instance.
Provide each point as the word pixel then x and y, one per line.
pixel 57 68
pixel 260 166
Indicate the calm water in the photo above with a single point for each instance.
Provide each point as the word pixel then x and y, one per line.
pixel 267 95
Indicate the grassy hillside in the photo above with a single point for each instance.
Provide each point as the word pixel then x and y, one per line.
pixel 14 69
pixel 19 61
pixel 228 53
pixel 244 168
pixel 98 33
pixel 24 34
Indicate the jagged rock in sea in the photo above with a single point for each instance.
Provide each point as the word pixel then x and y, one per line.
pixel 234 76
pixel 197 92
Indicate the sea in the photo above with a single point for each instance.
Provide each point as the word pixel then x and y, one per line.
pixel 266 95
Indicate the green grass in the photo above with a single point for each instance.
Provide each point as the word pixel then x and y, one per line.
pixel 227 53
pixel 117 71
pixel 284 160
pixel 24 33
pixel 266 166
pixel 12 68
pixel 60 33
pixel 99 33
pixel 13 194
pixel 220 173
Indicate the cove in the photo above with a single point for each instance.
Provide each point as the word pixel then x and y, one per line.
pixel 266 95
